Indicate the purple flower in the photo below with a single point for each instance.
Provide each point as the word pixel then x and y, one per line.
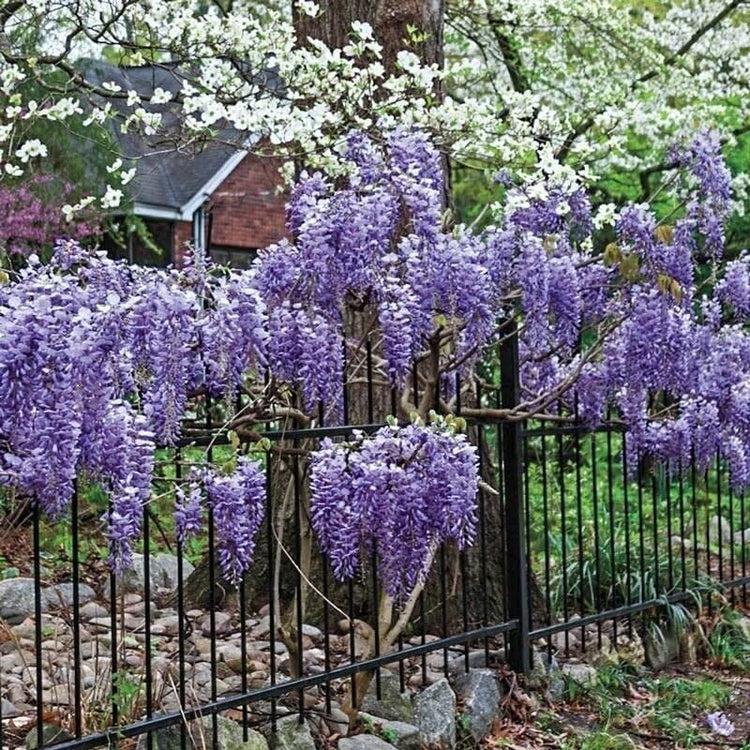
pixel 402 491
pixel 718 722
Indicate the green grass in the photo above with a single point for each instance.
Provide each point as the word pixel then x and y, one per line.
pixel 624 702
pixel 599 536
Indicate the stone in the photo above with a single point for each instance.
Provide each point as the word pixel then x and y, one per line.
pixel 743 625
pixel 229 736
pixel 562 641
pixel 7 709
pixel 51 733
pixel 364 742
pixel 742 537
pixel 680 543
pixel 292 735
pixel 436 715
pixel 480 693
pixel 582 674
pixel 162 574
pixel 429 677
pixel 312 632
pixel 719 529
pixel 630 650
pixel 661 647
pixel 61 595
pixel 337 720
pixel 477 660
pixel 392 704
pixel 400 734
pixel 17 598
pixel 545 673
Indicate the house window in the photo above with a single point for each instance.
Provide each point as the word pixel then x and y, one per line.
pixel 231 256
pixel 156 250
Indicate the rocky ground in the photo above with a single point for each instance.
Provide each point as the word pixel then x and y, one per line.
pixel 444 705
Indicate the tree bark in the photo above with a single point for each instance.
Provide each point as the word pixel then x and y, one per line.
pixel 390 20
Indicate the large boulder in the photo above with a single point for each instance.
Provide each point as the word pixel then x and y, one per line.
pixel 17 598
pixel 229 736
pixel 162 575
pixel 398 733
pixel 292 735
pixel 436 716
pixel 479 691
pixel 392 704
pixel 51 735
pixel 364 742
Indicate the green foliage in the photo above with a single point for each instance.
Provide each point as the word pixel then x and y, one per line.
pixel 608 534
pixel 728 644
pixel 623 701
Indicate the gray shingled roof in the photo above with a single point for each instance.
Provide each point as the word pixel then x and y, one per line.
pixel 166 175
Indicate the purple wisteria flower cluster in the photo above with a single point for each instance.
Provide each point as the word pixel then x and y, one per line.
pixel 402 491
pixel 671 357
pixel 237 501
pixel 378 241
pixel 97 362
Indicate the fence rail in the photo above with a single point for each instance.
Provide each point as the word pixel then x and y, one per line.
pixel 569 539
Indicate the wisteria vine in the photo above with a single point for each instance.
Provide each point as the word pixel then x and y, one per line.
pixel 402 491
pixel 100 360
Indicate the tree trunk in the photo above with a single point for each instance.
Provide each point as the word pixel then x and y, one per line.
pixel 390 20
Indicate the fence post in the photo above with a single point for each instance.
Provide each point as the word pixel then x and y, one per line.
pixel 516 574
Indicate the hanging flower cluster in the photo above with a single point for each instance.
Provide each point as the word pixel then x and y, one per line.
pixel 97 361
pixel 380 242
pixel 237 501
pixel 402 491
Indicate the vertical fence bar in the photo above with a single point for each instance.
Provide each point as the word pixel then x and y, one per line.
pixel 563 533
pixel 78 714
pixel 38 627
pixel 517 580
pixel 147 616
pixel 298 613
pixel 271 580
pixel 626 505
pixel 597 539
pixel 180 611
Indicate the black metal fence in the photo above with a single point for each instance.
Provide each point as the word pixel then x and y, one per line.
pixel 573 549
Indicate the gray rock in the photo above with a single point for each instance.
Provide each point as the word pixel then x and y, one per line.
pixel 400 734
pixel 337 721
pixel 477 660
pixel 229 736
pixel 61 596
pixel 480 693
pixel 364 742
pixel 392 704
pixel 661 647
pixel 51 733
pixel 436 715
pixel 92 610
pixel 719 530
pixel 291 735
pixel 312 632
pixel 17 598
pixel 7 709
pixel 162 574
pixel 165 570
pixel 743 624
pixel 582 674
pixel 545 673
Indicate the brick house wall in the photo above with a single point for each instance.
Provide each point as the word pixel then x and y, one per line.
pixel 248 211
